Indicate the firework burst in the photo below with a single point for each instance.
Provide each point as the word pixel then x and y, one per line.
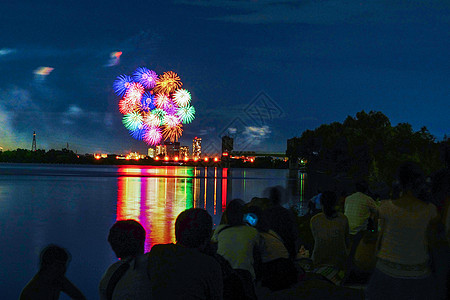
pixel 139 132
pixel 121 84
pixel 168 83
pixel 182 97
pixel 135 92
pixel 145 77
pixel 154 108
pixel 153 136
pixel 172 133
pixel 161 101
pixel 147 102
pixel 126 106
pixel 152 120
pixel 186 114
pixel 171 120
pixel 133 120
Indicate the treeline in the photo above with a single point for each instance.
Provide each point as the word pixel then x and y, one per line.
pixel 369 147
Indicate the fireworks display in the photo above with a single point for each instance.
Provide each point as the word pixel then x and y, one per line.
pixel 154 107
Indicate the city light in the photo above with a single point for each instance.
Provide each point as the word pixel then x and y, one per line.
pixel 157 158
pixel 176 158
pixel 186 159
pixel 216 159
pixel 206 159
pixel 166 158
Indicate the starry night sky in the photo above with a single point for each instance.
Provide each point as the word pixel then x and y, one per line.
pixel 263 71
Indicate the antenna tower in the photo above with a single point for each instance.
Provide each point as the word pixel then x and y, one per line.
pixel 33 145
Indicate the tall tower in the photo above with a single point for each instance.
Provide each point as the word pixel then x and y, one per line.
pixel 33 145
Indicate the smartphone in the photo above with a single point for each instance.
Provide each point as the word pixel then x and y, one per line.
pixel 251 219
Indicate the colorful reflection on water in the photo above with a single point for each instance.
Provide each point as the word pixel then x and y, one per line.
pixel 155 196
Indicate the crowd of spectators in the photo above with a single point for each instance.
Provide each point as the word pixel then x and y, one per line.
pixel 400 246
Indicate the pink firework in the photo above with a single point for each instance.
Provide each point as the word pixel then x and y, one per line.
pixel 153 136
pixel 162 100
pixel 135 92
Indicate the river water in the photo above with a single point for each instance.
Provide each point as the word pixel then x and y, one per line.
pixel 74 207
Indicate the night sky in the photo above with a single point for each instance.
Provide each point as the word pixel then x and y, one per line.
pixel 262 71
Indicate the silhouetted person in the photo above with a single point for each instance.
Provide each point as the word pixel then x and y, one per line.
pixel 181 270
pixel 358 208
pixel 238 243
pixel 330 232
pixel 402 269
pixel 282 221
pixel 277 271
pixel 50 280
pixel 127 278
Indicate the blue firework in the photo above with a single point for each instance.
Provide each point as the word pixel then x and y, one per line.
pixel 139 132
pixel 121 84
pixel 147 102
pixel 145 77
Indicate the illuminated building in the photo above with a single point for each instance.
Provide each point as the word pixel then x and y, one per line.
pixel 161 150
pixel 172 148
pixel 197 147
pixel 184 151
pixel 151 152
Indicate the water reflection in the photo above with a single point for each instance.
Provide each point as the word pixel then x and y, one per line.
pixel 155 196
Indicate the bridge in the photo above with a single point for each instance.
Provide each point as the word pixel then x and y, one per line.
pixel 260 154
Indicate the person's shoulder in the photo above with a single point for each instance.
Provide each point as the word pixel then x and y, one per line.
pixel 161 249
pixel 317 217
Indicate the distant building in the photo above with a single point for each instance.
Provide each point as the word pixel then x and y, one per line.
pixel 184 151
pixel 172 148
pixel 227 144
pixel 197 147
pixel 161 150
pixel 151 152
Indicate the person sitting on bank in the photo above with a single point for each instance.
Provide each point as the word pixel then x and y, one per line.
pixel 282 220
pixel 238 243
pixel 358 208
pixel 402 268
pixel 182 270
pixel 50 280
pixel 330 232
pixel 127 278
pixel 277 270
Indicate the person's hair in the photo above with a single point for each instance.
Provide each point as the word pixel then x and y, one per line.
pixel 235 212
pixel 328 201
pixel 127 238
pixel 410 176
pixel 53 254
pixel 362 186
pixel 193 227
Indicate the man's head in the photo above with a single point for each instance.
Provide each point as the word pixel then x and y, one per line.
pixel 127 238
pixel 193 228
pixel 54 259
